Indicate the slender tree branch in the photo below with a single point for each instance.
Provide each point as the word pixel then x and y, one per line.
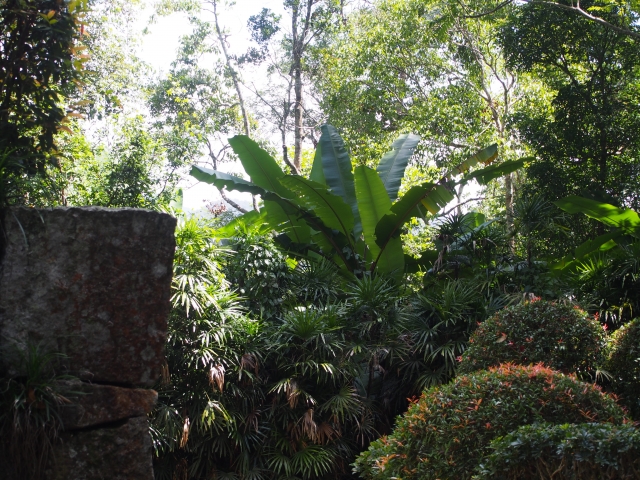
pixel 232 71
pixel 476 199
pixel 223 194
pixel 489 12
pixel 236 84
pixel 223 191
pixel 569 8
pixel 577 9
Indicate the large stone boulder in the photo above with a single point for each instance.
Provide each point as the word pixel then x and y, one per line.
pixel 92 284
pixel 121 451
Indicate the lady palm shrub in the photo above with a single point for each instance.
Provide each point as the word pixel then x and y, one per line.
pixel 379 316
pixel 407 342
pixel 586 451
pixel 275 402
pixel 448 431
pixel 562 337
pixel 318 419
pixel 242 398
pixel 316 282
pixel 208 340
pixel 624 365
pixel 439 332
pixel 260 273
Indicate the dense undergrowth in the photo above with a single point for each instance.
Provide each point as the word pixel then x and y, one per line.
pixel 297 385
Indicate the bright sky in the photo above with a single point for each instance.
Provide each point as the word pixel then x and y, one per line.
pixel 159 46
pixel 158 50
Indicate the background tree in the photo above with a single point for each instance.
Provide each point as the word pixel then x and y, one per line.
pixel 416 66
pixel 194 107
pixel 131 172
pixel 289 59
pixel 585 141
pixel 40 64
pixel 114 74
pixel 620 16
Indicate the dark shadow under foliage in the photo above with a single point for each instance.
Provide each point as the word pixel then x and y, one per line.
pixel 29 418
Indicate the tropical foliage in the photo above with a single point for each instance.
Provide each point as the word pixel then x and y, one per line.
pixel 449 429
pixel 299 386
pixel 624 366
pixel 562 337
pixel 346 215
pixel 607 265
pixel 370 264
pixel 587 450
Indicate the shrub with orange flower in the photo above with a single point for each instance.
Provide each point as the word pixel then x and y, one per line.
pixel 562 337
pixel 449 430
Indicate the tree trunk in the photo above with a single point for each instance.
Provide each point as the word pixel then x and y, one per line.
pixel 236 84
pixel 508 203
pixel 232 71
pixel 296 70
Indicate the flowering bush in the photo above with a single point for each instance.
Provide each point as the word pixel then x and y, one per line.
pixel 624 365
pixel 586 451
pixel 448 431
pixel 562 337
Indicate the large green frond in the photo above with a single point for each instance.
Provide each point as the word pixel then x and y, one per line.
pixel 391 167
pixel 315 197
pixel 374 203
pixel 336 167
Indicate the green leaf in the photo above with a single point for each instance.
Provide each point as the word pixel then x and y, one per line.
pixel 485 175
pixel 241 224
pixel 281 213
pixel 601 243
pixel 285 217
pixel 317 174
pixel 330 208
pixel 486 156
pixel 177 201
pixel 374 203
pixel 597 245
pixel 391 260
pixel 429 196
pixel 222 180
pixel 259 165
pixel 336 166
pixel 475 219
pixel 625 219
pixel 391 167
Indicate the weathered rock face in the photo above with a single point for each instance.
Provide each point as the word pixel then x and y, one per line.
pixel 93 405
pixel 118 452
pixel 94 285
pixel 99 279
